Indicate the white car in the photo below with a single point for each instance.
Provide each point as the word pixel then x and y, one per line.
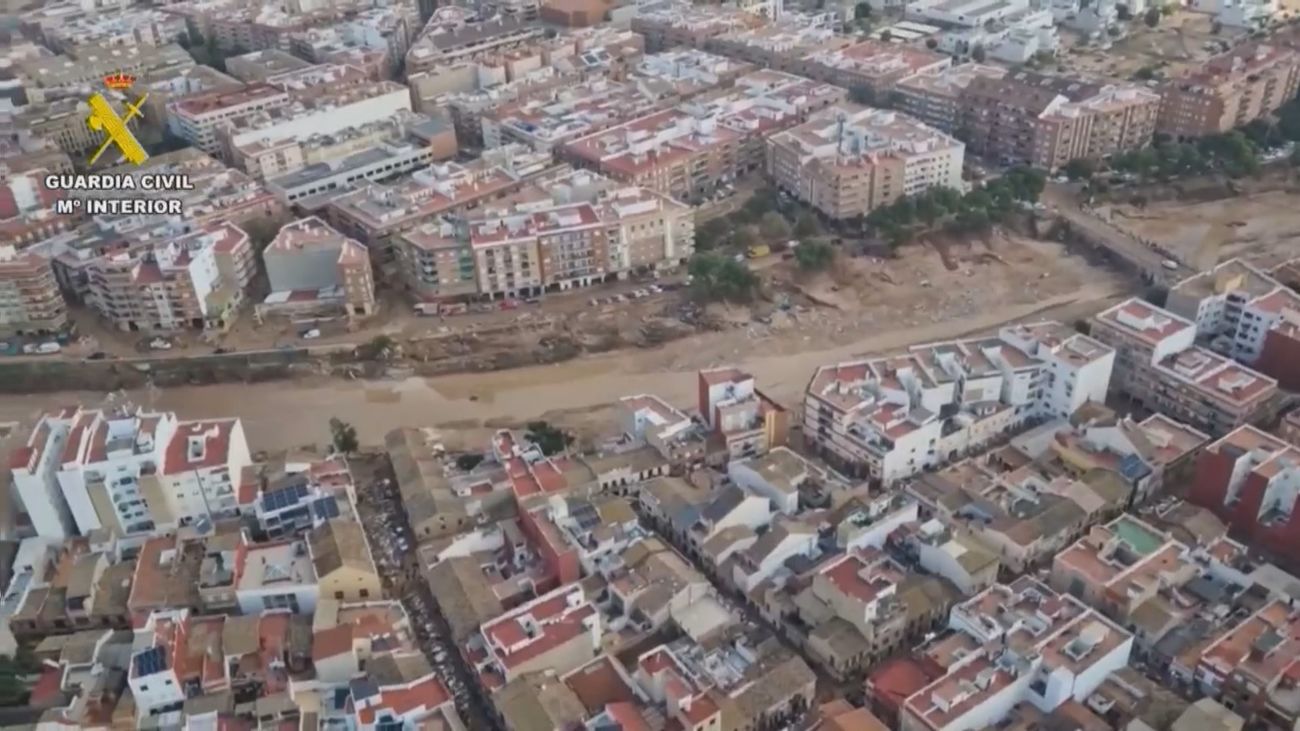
pixel 311 334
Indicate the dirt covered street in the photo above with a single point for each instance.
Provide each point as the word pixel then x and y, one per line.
pixel 1263 227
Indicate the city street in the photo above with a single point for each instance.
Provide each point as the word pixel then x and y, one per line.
pixel 379 504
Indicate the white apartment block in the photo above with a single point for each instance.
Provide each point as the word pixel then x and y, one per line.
pixel 128 472
pixel 196 119
pixel 326 112
pixel 889 418
pixel 849 160
pixel 1234 306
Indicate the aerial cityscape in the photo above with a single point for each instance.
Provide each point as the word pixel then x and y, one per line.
pixel 650 365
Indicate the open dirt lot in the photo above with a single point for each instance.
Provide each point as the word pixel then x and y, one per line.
pixel 1263 228
pixel 1180 41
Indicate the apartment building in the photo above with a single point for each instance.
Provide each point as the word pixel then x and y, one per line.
pixel 52 77
pixel 196 118
pixel 874 67
pixel 708 141
pixel 892 417
pixel 560 630
pixel 668 25
pixel 466 41
pixel 936 98
pixel 128 472
pixel 376 214
pixel 732 407
pixel 547 121
pixel 313 268
pixel 311 171
pixel 1032 119
pixel 1251 480
pixel 589 231
pixel 1235 307
pixel 1026 645
pixel 1158 365
pixel 1229 91
pixel 323 103
pixel 849 160
pixel 195 281
pixel 30 301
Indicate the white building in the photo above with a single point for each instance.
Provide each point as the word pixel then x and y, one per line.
pixel 1238 13
pixel 777 475
pixel 1233 306
pixel 278 575
pixel 34 466
pixel 130 472
pixel 1031 646
pixel 889 418
pixel 155 685
pixel 196 118
pixel 766 557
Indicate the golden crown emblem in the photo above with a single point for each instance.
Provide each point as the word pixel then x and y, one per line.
pixel 119 81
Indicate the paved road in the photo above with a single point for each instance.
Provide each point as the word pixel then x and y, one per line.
pixel 1118 242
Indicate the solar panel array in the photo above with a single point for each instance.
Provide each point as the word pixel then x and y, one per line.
pixel 325 508
pixel 586 516
pixel 150 661
pixel 284 497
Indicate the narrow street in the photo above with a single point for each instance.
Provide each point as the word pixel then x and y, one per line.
pixel 379 505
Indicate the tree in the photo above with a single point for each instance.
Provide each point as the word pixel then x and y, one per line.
pixel 1080 169
pixel 773 227
pixel 745 237
pixel 931 43
pixel 377 348
pixel 807 226
pixel 978 54
pixel 886 36
pixel 712 234
pixel 715 277
pixel 548 438
pixel 344 436
pixel 1122 12
pixel 862 11
pixel 1152 18
pixel 814 256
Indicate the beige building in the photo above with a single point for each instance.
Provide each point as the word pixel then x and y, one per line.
pixel 30 301
pixel 1032 119
pixel 849 160
pixel 1230 91
pixel 196 281
pixel 345 569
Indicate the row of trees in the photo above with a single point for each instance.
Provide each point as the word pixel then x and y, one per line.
pixel 1234 154
pixel 973 213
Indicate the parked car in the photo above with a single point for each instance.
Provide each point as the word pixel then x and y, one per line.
pixel 311 334
pixel 160 344
pixel 97 355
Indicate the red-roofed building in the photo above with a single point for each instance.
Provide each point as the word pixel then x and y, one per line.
pixel 731 405
pixel 892 682
pixel 557 555
pixel 158 671
pixel 411 704
pixel 560 630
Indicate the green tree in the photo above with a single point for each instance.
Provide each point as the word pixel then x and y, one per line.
pixel 773 227
pixel 380 347
pixel 861 11
pixel 807 226
pixel 814 256
pixel 886 36
pixel 344 436
pixel 762 201
pixel 1122 12
pixel 712 234
pixel 715 277
pixel 745 237
pixel 1152 18
pixel 978 54
pixel 1080 169
pixel 550 439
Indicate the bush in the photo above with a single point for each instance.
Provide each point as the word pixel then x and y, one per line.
pixel 467 462
pixel 715 278
pixel 814 256
pixel 548 438
pixel 773 227
pixel 344 436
